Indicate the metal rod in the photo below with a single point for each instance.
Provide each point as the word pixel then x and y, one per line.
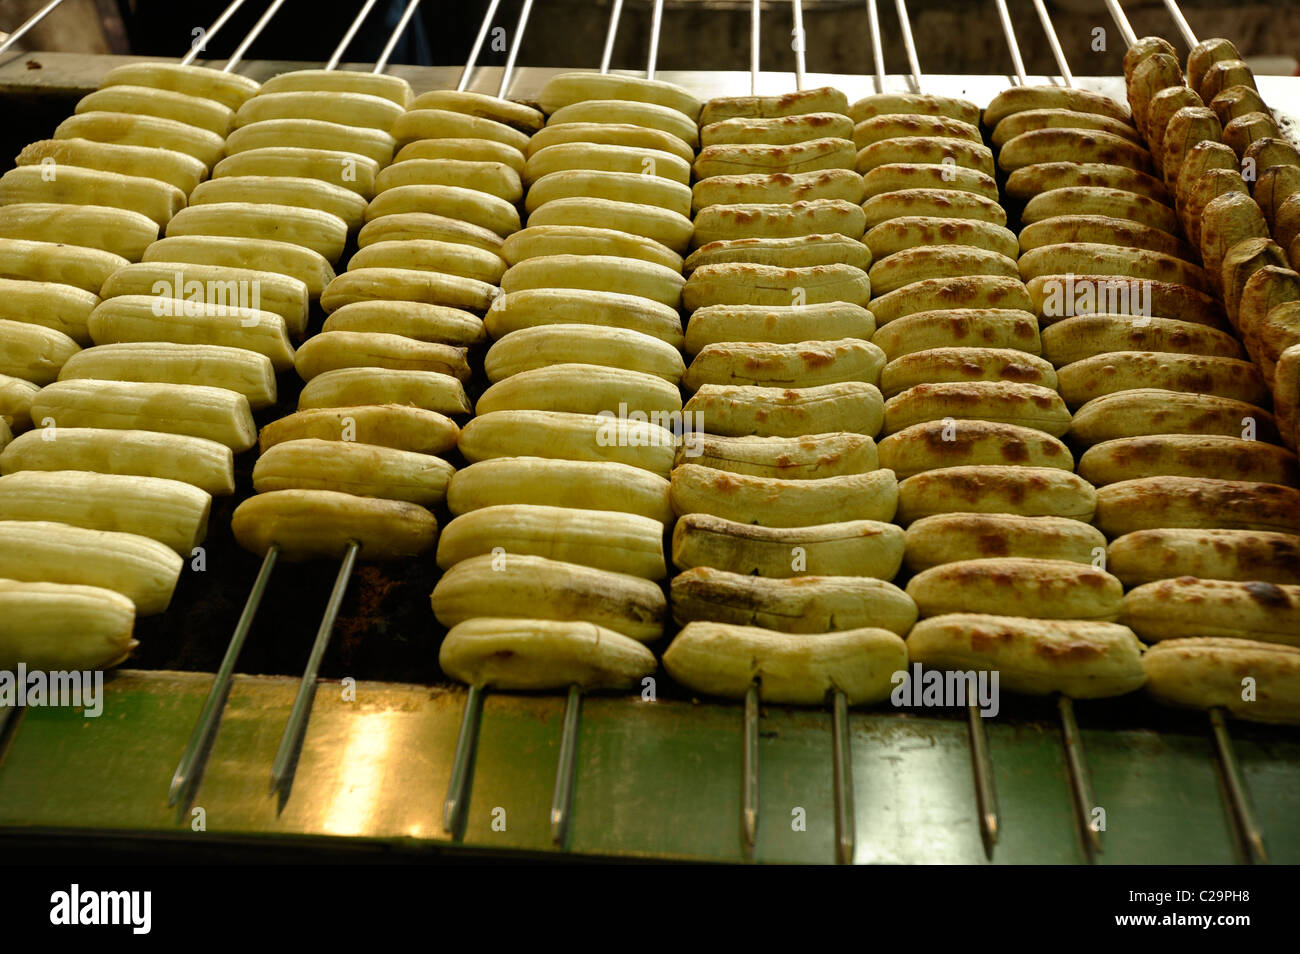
pixel 842 758
pixel 1180 21
pixel 1054 42
pixel 382 63
pixel 905 24
pixel 186 770
pixel 1121 20
pixel 253 34
pixel 285 758
pixel 749 769
pixel 656 24
pixel 755 38
pixel 347 37
pixel 610 34
pixel 201 42
pixel 799 45
pixel 877 49
pixel 515 44
pixel 1080 777
pixel 1009 29
pixel 1236 786
pixel 562 801
pixel 30 22
pixel 986 794
pixel 478 44
pixel 457 803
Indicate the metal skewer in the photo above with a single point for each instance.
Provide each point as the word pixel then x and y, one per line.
pixel 1080 777
pixel 909 43
pixel 197 47
pixel 562 799
pixel 1121 21
pixel 1009 29
pixel 1054 42
pixel 877 49
pixel 842 764
pixel 755 36
pixel 799 45
pixel 986 797
pixel 656 24
pixel 1180 21
pixel 1251 834
pixel 352 32
pixel 286 756
pixel 253 34
pixel 27 24
pixel 610 34
pixel 462 765
pixel 381 64
pixel 478 45
pixel 749 772
pixel 184 777
pixel 515 44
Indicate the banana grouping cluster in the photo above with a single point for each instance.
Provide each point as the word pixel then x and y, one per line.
pixel 109 482
pixel 1213 540
pixel 356 463
pixel 998 535
pixel 556 549
pixel 784 539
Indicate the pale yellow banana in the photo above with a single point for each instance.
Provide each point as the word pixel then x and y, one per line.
pixel 583 389
pixel 191 460
pixel 164 362
pixel 59 627
pixel 118 231
pixel 530 349
pixel 140 318
pixel 778 502
pixel 366 470
pixel 538 588
pixel 374 144
pixel 620 542
pixel 565 436
pixel 309 267
pixel 321 232
pixel 605 157
pixel 542 240
pixel 806 457
pixel 229 89
pixel 349 387
pixel 777 324
pixel 467 205
pixel 543 654
pixel 550 306
pixel 332 350
pixel 347 107
pixel 322 524
pixel 407 284
pixel 347 169
pixel 293 191
pixel 166 104
pixel 551 482
pixel 175 168
pixel 385 425
pixel 33 352
pixel 39 551
pixel 194 410
pixel 135 130
pixel 84 268
pixel 169 511
pixel 600 273
pixel 494 178
pixel 419 320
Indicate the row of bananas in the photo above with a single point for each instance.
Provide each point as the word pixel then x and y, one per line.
pixel 555 553
pixel 108 485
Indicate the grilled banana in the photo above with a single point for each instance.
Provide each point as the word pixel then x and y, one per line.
pixel 1080 658
pixel 725 660
pixel 542 654
pixel 1024 491
pixel 322 524
pixel 947 537
pixel 539 588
